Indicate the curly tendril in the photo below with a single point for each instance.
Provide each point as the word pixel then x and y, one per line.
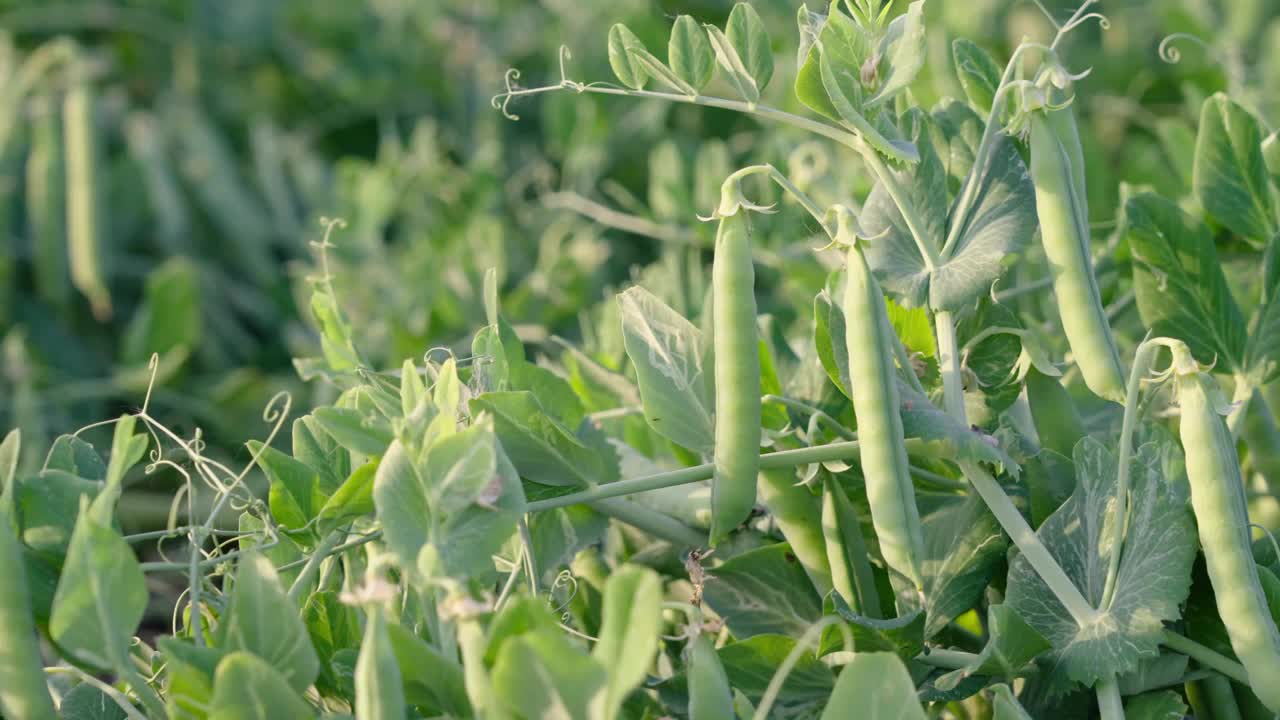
pixel 1171 54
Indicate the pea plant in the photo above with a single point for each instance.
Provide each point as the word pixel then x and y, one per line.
pixel 954 483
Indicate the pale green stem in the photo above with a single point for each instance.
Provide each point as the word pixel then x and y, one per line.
pixel 949 365
pixel 1110 706
pixel 655 523
pixel 1205 656
pixel 1142 360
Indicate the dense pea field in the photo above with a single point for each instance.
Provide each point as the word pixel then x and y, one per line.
pixel 655 359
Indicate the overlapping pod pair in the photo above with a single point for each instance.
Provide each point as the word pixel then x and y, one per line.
pixel 1058 172
pixel 1222 516
pixel 869 339
pixel 737 370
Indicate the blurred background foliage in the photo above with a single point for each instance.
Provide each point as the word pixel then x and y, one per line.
pixel 223 130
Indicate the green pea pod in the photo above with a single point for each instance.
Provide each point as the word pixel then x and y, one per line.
pixel 379 691
pixel 875 405
pixel 83 238
pixel 1222 516
pixel 798 514
pixel 1057 170
pixel 851 572
pixel 710 697
pixel 46 205
pixel 23 692
pixel 737 369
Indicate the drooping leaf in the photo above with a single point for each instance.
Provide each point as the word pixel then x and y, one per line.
pixel 1154 573
pixel 675 379
pixel 764 591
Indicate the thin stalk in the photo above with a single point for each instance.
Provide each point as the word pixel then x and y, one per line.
pixel 949 659
pixel 375 535
pixel 804 407
pixel 526 552
pixel 949 364
pixel 1205 656
pixel 323 550
pixel 899 196
pixel 619 220
pixel 1026 540
pixel 654 523
pixel 1142 360
pixel 1110 706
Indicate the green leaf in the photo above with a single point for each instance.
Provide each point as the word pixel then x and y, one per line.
pixel 126 450
pixel 629 636
pixel 1181 291
pixel 72 455
pixel 845 46
pixel 656 69
pixel 353 499
pixel 732 64
pixel 189 672
pixel 430 680
pixel 675 379
pixel 379 692
pixel 543 449
pixel 169 315
pixel 1011 646
pixel 294 495
pixel 1154 573
pixel 1262 349
pixel 539 674
pixel 749 39
pixel 320 452
pixel 248 688
pixel 49 504
pixel 86 702
pixel 1005 706
pixel 354 430
pixel 964 546
pixel 261 620
pixel 1164 705
pixel 764 591
pixel 902 52
pixel 9 451
pixel 332 626
pixel 751 664
pixel 1230 175
pixel 978 72
pixel 101 596
pixel 1164 670
pixel 461 467
pixel 874 680
pixel 400 496
pixel 689 53
pixel 629 71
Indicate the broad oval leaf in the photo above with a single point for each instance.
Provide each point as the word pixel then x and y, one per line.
pixel 750 39
pixel 629 636
pixel 764 591
pixel 625 67
pixel 979 75
pixel 1230 175
pixel 874 680
pixel 261 620
pixel 735 69
pixel 247 687
pixel 689 54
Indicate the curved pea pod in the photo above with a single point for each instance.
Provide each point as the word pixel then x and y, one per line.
pixel 737 371
pixel 23 692
pixel 1222 516
pixel 1057 170
pixel 710 697
pixel 875 405
pixel 798 514
pixel 83 224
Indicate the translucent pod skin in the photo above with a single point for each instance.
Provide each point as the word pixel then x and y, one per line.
pixel 737 369
pixel 1057 170
pixel 880 436
pixel 1218 498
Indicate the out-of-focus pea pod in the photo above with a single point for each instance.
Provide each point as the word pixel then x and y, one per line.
pixel 23 692
pixel 737 367
pixel 1058 172
pixel 46 204
pixel 798 514
pixel 710 697
pixel 870 339
pixel 83 224
pixel 1222 516
pixel 146 143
